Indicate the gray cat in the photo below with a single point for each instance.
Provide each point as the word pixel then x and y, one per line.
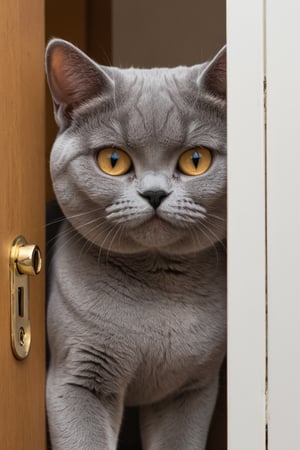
pixel 137 308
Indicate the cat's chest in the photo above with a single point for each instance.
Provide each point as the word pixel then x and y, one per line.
pixel 176 348
pixel 164 313
pixel 176 328
pixel 162 330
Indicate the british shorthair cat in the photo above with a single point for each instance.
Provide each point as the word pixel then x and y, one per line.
pixel 137 304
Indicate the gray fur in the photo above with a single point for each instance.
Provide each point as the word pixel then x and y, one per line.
pixel 137 309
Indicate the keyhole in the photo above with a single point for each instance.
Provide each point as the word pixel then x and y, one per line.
pixel 22 336
pixel 21 301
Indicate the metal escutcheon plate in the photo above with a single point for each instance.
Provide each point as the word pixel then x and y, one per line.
pixel 25 260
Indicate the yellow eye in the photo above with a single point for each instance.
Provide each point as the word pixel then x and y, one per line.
pixel 195 161
pixel 113 161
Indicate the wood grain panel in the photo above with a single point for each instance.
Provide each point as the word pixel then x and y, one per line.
pixel 22 406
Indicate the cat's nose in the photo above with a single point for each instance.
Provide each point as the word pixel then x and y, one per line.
pixel 154 197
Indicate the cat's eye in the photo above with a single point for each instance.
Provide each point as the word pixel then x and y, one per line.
pixel 195 161
pixel 114 161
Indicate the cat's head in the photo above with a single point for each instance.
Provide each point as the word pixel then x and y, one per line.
pixel 139 162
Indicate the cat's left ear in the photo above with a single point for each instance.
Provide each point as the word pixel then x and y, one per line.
pixel 213 78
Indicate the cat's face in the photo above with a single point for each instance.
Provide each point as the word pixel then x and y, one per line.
pixel 140 160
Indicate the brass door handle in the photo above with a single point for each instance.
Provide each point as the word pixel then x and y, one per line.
pixel 28 259
pixel 25 260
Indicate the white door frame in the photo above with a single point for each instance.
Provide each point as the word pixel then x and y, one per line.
pixel 263 224
pixel 246 226
pixel 283 219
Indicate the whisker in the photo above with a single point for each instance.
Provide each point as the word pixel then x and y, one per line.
pixel 103 242
pixel 216 238
pixel 56 249
pixel 216 217
pixel 62 233
pixel 62 218
pixel 212 244
pixel 89 242
pixel 112 240
pixel 66 232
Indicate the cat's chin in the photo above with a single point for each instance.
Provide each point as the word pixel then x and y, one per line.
pixel 162 236
pixel 155 232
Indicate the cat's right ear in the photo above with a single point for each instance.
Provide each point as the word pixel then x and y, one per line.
pixel 73 79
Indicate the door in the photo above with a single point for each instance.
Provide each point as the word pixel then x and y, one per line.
pixel 22 409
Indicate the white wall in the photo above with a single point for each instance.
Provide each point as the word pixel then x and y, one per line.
pixel 283 197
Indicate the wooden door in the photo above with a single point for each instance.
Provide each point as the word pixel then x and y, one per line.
pixel 22 408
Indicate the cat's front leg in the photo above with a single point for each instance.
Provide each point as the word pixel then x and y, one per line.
pixel 179 423
pixel 79 419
